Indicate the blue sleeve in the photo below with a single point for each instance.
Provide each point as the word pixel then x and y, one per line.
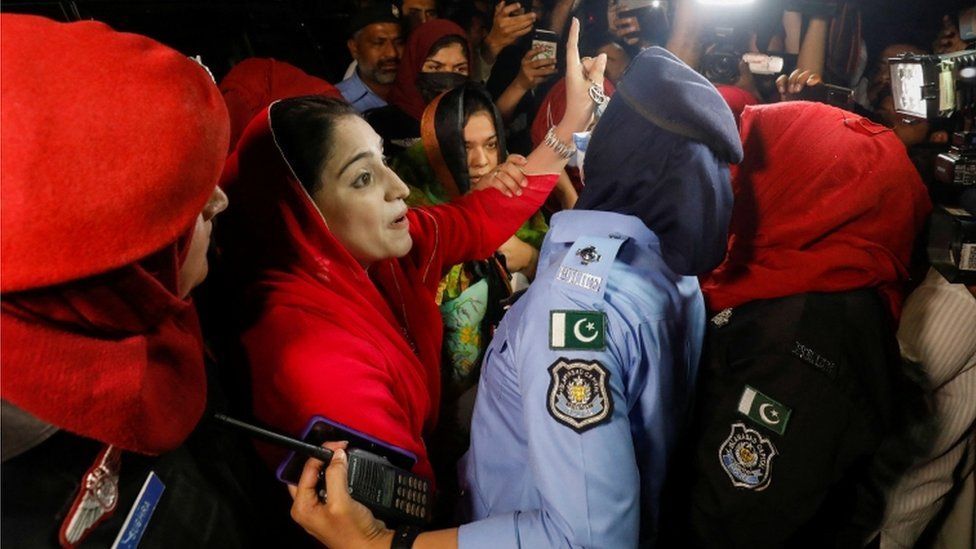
pixel 587 478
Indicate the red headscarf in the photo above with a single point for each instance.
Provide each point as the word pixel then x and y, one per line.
pixel 99 194
pixel 328 337
pixel 737 98
pixel 825 201
pixel 404 93
pixel 255 83
pixel 320 298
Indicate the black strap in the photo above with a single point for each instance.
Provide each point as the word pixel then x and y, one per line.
pixel 404 536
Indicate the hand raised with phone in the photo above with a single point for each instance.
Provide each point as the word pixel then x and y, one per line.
pixel 510 23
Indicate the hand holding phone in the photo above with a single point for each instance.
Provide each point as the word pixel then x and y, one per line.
pixel 545 42
pixel 509 24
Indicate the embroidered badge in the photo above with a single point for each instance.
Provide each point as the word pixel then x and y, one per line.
pixel 722 318
pixel 588 255
pixel 582 330
pixel 579 395
pixel 579 278
pixel 96 499
pixel 747 458
pixel 764 410
pixel 811 357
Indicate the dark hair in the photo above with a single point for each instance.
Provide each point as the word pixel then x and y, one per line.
pixel 304 129
pixel 475 103
pixel 446 41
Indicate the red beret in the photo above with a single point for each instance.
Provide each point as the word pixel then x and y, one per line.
pixel 111 146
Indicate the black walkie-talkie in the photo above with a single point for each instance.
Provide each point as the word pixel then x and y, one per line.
pixel 396 496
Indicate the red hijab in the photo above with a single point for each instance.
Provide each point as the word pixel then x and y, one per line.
pixel 323 320
pixel 256 82
pixel 825 201
pixel 404 93
pixel 99 194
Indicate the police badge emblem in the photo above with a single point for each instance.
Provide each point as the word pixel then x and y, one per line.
pixel 579 395
pixel 96 499
pixel 747 458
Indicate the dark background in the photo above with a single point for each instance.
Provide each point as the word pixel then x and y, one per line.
pixel 311 34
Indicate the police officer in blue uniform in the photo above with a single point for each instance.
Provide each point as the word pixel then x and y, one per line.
pixel 588 382
pixel 586 386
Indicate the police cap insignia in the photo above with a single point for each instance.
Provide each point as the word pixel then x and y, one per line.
pixel 747 458
pixel 579 394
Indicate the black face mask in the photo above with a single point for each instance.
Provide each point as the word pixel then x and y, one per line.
pixel 432 84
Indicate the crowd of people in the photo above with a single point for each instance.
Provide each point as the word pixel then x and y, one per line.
pixel 595 279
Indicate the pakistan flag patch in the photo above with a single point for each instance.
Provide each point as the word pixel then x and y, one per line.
pixel 579 330
pixel 764 410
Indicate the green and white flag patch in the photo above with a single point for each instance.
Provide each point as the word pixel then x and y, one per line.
pixel 764 410
pixel 582 330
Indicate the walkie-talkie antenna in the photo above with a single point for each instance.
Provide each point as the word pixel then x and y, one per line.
pixel 278 439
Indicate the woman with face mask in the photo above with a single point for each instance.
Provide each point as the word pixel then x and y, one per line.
pixel 436 58
pixel 339 276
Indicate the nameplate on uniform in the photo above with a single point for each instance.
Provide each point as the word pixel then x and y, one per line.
pixel 764 410
pixel 577 330
pixel 135 524
pixel 578 278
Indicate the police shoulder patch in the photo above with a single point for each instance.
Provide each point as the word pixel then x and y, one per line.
pixel 747 458
pixel 579 393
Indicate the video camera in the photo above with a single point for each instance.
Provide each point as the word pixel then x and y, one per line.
pixel 943 87
pixel 934 86
pixel 952 244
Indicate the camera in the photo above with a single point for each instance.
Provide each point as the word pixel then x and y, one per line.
pixel 957 167
pixel 952 244
pixel 933 86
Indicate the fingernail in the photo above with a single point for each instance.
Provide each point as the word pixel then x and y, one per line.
pixel 518 193
pixel 340 455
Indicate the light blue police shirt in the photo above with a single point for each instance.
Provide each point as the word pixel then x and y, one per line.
pixel 570 439
pixel 358 94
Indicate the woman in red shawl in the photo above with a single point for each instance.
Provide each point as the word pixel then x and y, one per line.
pixel 801 384
pixel 106 215
pixel 340 275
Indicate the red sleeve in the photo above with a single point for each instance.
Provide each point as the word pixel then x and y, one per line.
pixel 295 376
pixel 473 226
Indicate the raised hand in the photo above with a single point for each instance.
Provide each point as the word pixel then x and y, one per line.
pixel 508 26
pixel 534 72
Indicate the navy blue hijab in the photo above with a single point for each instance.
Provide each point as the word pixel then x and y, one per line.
pixel 661 153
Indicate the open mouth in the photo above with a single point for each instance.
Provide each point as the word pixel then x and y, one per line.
pixel 400 222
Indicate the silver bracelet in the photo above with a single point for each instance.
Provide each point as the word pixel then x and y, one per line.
pixel 562 149
pixel 599 98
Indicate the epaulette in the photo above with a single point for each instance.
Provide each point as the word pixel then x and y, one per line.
pixel 587 264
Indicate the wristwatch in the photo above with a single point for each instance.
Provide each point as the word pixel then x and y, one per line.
pixel 404 536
